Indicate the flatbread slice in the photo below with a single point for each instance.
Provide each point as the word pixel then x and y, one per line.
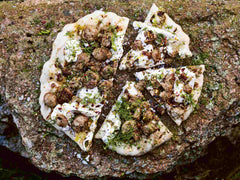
pixel 85 56
pixel 176 90
pixel 132 128
pixel 159 37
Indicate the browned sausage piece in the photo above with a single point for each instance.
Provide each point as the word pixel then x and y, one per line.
pixel 79 124
pixel 101 54
pixel 50 99
pixel 90 33
pixel 137 45
pixel 64 95
pixel 61 120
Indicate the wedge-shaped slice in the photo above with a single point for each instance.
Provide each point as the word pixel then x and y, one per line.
pixel 158 18
pixel 177 90
pixel 131 127
pixel 78 118
pixel 158 38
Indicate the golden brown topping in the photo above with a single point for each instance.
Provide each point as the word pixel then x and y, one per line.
pixel 80 123
pixel 196 85
pixel 106 40
pixel 82 59
pixel 137 114
pixel 61 120
pixel 101 54
pixel 75 83
pixel 156 55
pixel 137 45
pixel 149 128
pixel 145 104
pixel 150 37
pixel 107 72
pixel 92 78
pixel 165 95
pixel 50 99
pixel 187 88
pixel 168 82
pixel 140 85
pixel 64 95
pixel 90 33
pixel 128 125
pixel 147 116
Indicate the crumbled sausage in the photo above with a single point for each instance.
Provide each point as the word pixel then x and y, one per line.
pixel 90 33
pixel 140 85
pixel 50 99
pixel 82 59
pixel 137 45
pixel 106 40
pixel 131 125
pixel 168 82
pixel 145 105
pixel 147 116
pixel 75 83
pixel 150 37
pixel 61 120
pixel 107 72
pixel 149 128
pixel 101 54
pixel 183 77
pixel 80 123
pixel 165 95
pixel 187 88
pixel 137 114
pixel 128 125
pixel 156 55
pixel 64 95
pixel 66 72
pixel 106 85
pixel 196 85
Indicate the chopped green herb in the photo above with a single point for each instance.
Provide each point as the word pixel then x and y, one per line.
pixel 121 138
pixel 160 38
pixel 70 34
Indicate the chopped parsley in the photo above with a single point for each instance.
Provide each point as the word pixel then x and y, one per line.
pixel 70 34
pixel 121 138
pixel 189 99
pixel 123 110
pixel 88 47
pixel 160 38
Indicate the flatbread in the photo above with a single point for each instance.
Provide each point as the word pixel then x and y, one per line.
pixel 132 134
pixel 159 37
pixel 75 85
pixel 176 90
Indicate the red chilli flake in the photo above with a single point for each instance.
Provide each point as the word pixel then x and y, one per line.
pixel 43 22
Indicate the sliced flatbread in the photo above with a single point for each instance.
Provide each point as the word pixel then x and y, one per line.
pixel 132 128
pixel 176 90
pixel 85 55
pixel 159 37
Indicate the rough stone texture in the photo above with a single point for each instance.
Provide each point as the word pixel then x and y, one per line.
pixel 27 34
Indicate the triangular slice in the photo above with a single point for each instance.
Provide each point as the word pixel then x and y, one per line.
pixel 132 127
pixel 177 90
pixel 85 56
pixel 159 37
pixel 78 118
pixel 158 18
